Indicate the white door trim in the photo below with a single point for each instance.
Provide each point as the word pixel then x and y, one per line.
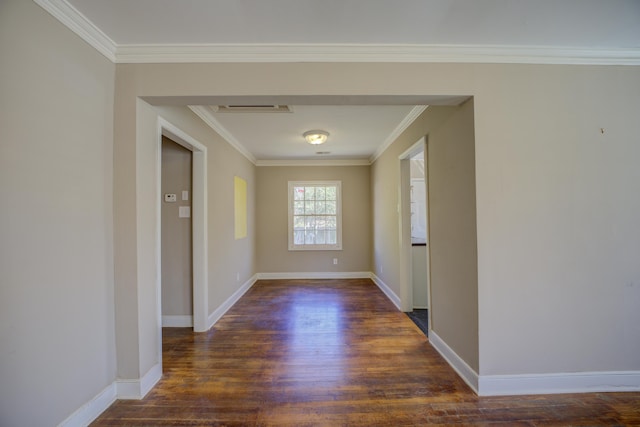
pixel 198 220
pixel 404 216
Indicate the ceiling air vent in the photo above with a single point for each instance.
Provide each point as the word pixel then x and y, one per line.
pixel 253 109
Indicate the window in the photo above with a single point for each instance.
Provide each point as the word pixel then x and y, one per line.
pixel 315 215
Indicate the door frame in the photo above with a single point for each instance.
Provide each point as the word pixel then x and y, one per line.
pixel 404 215
pixel 199 239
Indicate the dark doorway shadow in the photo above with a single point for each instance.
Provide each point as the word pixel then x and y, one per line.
pixel 421 318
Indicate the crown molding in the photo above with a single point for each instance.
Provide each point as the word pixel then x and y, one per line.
pixel 314 162
pixel 374 53
pixel 183 53
pixel 79 24
pixel 205 114
pixel 404 124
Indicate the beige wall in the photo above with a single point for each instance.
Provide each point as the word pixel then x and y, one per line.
pixel 57 345
pixel 452 233
pixel 556 215
pixel 452 221
pixel 554 195
pixel 227 259
pixel 272 251
pixel 385 190
pixel 177 261
pixel 556 203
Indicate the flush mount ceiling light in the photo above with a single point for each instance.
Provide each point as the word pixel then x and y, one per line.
pixel 316 137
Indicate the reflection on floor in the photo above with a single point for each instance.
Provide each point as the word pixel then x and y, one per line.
pixel 421 318
pixel 332 353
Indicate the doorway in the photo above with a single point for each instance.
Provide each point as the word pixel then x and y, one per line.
pixel 414 231
pixel 176 235
pixel 199 234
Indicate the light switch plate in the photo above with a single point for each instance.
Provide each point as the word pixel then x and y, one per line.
pixel 185 194
pixel 184 212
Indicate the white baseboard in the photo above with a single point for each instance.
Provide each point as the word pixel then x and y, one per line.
pixel 395 299
pixel 316 275
pixel 467 374
pixel 574 382
pixel 177 321
pixel 92 409
pixel 119 389
pixel 220 311
pixel 138 388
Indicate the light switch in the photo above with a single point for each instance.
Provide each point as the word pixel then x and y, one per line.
pixel 185 195
pixel 170 198
pixel 184 212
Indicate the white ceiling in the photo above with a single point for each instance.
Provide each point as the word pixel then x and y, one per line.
pixel 566 23
pixel 312 30
pixel 355 131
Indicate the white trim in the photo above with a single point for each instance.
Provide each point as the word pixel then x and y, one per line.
pixel 225 306
pixel 79 24
pixel 574 382
pixel 200 239
pixel 404 124
pixel 404 225
pixel 206 115
pixel 290 231
pixel 395 299
pixel 420 53
pixel 198 220
pixel 465 372
pixel 418 146
pixel 314 162
pixel 88 412
pixel 135 389
pixel 183 53
pixel 177 321
pixel 316 275
pixel 150 379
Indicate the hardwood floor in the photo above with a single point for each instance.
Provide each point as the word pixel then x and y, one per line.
pixel 332 353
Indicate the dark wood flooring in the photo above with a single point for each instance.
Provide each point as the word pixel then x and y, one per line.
pixel 333 353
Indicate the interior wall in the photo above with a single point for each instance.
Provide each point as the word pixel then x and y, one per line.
pixel 556 178
pixel 557 204
pixel 177 261
pixel 452 222
pixel 231 263
pixel 273 254
pixel 385 191
pixel 57 339
pixel 452 233
pixel 556 216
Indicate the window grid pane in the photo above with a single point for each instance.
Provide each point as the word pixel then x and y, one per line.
pixel 315 215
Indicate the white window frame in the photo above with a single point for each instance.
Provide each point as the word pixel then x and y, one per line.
pixel 316 247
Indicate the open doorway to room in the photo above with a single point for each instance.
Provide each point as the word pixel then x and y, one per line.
pixel 414 226
pixel 176 235
pixel 419 280
pixel 196 152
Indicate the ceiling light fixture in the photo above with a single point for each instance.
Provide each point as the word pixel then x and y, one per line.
pixel 316 137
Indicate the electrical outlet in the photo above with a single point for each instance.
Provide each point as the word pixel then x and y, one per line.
pixel 335 261
pixel 237 277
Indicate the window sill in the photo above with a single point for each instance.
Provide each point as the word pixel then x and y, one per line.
pixel 315 248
